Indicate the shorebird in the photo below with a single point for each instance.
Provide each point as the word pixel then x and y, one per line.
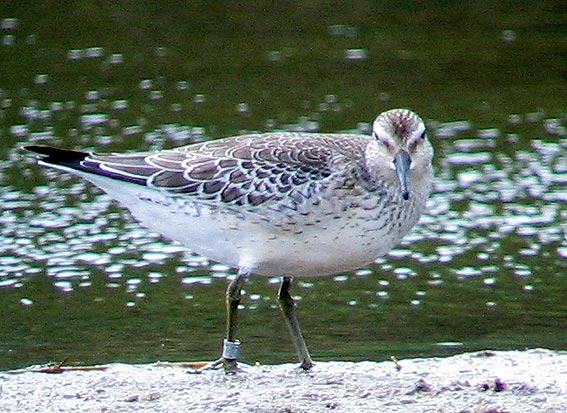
pixel 276 204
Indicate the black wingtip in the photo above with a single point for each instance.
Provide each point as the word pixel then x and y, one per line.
pixel 57 156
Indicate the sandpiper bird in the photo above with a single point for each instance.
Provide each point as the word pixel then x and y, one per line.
pixel 277 204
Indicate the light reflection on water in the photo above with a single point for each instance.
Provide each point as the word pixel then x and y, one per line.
pixel 516 193
pixel 496 212
pixel 490 250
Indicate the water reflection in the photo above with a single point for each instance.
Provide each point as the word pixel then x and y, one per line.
pixel 498 217
pixel 486 267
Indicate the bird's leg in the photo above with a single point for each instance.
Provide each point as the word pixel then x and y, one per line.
pixel 287 305
pixel 231 345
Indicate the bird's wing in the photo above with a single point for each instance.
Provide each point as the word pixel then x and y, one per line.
pixel 245 170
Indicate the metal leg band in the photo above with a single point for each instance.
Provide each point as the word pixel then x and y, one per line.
pixel 230 349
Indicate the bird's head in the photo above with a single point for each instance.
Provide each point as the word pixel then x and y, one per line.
pixel 403 145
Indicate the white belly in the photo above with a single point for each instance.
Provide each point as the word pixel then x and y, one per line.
pixel 262 242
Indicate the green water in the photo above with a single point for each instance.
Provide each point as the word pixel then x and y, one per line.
pixel 486 267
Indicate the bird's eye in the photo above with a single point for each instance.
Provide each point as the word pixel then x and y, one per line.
pixel 381 140
pixel 423 135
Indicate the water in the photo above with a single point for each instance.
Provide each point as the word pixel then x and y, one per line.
pixel 486 267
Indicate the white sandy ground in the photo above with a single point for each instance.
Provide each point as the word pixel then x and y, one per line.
pixel 485 382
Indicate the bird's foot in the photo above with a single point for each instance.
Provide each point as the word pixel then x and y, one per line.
pixel 230 366
pixel 306 364
pixel 228 359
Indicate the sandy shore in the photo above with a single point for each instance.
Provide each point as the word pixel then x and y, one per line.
pixel 484 382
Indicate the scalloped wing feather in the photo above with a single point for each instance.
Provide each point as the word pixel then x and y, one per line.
pixel 249 170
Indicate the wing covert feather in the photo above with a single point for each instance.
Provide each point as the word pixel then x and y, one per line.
pixel 251 169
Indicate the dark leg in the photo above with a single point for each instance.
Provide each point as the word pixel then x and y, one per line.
pixel 230 344
pixel 287 306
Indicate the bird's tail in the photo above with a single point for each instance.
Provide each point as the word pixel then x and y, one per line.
pixel 56 156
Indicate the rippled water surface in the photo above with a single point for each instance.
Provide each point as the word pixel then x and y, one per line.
pixel 485 268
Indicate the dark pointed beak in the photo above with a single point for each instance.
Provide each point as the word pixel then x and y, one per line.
pixel 402 162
